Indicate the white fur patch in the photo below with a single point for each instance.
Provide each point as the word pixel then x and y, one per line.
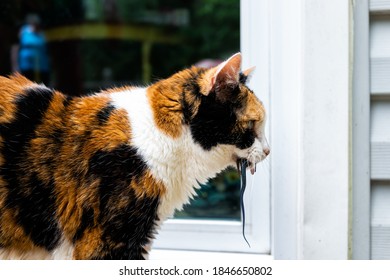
pixel 13 254
pixel 63 252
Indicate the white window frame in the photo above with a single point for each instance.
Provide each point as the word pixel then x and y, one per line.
pixel 226 236
pixel 361 195
pixel 305 56
pixel 311 88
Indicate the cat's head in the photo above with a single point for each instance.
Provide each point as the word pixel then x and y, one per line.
pixel 226 112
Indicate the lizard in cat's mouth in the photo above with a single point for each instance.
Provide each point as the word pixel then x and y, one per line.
pixel 254 156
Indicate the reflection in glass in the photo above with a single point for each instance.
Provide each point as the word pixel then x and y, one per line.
pixel 218 199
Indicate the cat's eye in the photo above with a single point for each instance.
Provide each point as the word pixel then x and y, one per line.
pixel 251 124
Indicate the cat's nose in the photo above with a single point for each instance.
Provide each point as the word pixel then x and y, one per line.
pixel 266 151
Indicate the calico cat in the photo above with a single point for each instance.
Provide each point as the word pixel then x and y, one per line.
pixel 93 177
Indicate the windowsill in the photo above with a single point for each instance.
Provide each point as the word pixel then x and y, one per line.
pixel 160 254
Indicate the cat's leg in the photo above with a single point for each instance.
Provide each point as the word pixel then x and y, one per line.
pixel 98 245
pixel 122 252
pixel 89 246
pixel 17 254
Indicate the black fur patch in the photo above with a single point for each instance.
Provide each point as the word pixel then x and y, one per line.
pixel 104 114
pixel 87 220
pixel 37 212
pixel 191 87
pixel 243 78
pixel 215 123
pixel 128 230
pixel 68 100
pixel 128 225
pixel 31 198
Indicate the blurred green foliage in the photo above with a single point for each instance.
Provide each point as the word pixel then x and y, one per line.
pixel 212 32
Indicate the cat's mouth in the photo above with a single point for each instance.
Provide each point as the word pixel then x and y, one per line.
pixel 245 163
pixel 252 155
pixel 249 165
pixel 249 158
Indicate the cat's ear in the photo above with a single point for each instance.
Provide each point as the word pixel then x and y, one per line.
pixel 223 75
pixel 227 72
pixel 247 74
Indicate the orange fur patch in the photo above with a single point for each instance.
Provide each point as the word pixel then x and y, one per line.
pixel 10 89
pixel 115 132
pixel 148 186
pixel 13 235
pixel 89 245
pixel 254 111
pixel 165 99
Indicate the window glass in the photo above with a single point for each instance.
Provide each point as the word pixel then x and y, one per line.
pixel 218 199
pixel 82 46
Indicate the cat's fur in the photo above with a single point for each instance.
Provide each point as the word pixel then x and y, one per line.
pixel 93 177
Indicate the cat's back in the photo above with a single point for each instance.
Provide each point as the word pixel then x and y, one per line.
pixel 13 84
pixel 11 88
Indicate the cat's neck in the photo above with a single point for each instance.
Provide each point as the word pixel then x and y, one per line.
pixel 164 140
pixel 184 166
pixel 169 100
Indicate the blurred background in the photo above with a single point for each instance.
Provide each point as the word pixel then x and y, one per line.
pixel 83 46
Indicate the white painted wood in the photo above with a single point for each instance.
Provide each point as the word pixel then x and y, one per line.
pixel 185 255
pixel 380 140
pixel 380 124
pixel 286 88
pixel 204 235
pixel 255 49
pixel 361 133
pixel 380 6
pixel 311 125
pixel 380 129
pixel 380 220
pixel 380 161
pixel 379 36
pixel 380 73
pixel 326 124
pixel 380 243
pixel 380 54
